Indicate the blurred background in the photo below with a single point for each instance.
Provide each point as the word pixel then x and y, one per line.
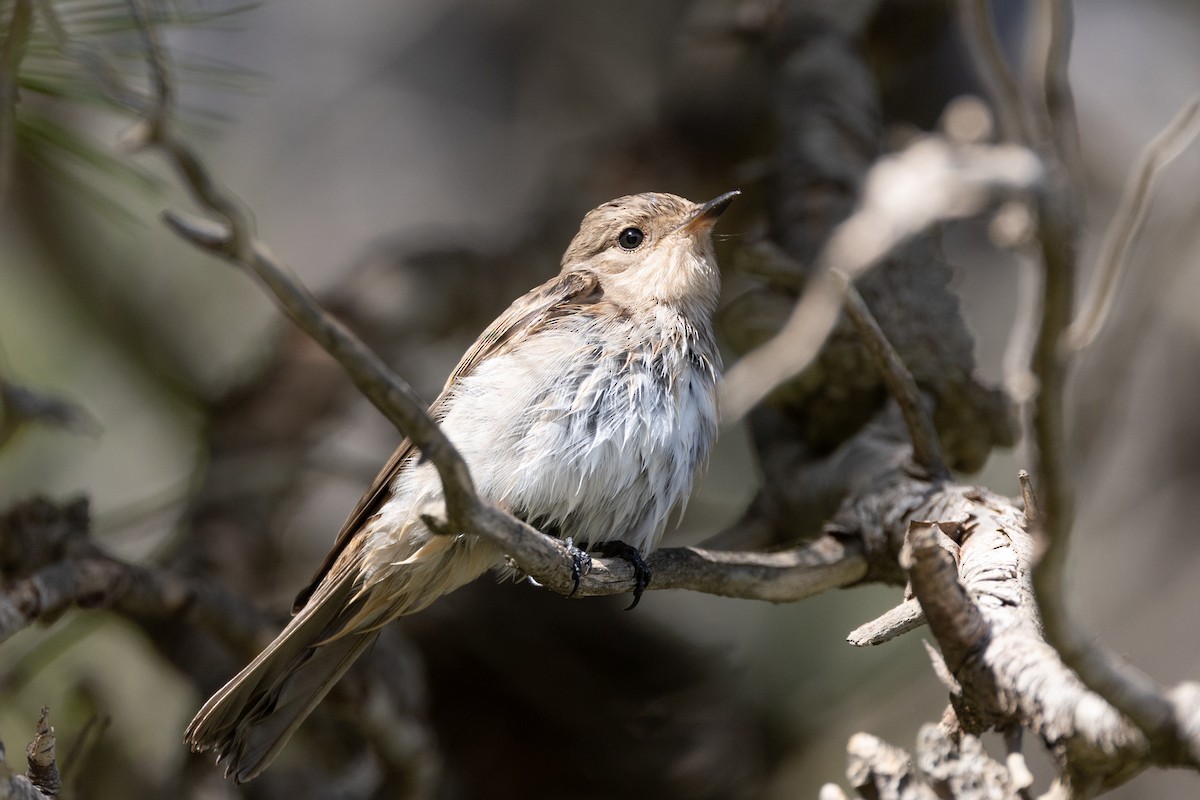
pixel 420 164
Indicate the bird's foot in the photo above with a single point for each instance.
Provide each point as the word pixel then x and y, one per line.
pixel 581 562
pixel 641 572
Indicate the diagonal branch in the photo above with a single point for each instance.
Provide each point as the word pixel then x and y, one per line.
pixel 35 784
pixel 1056 83
pixel 43 763
pixel 1126 224
pixel 779 576
pixel 1016 122
pixel 930 181
pixel 927 451
pixel 236 242
pixel 12 50
pixel 1127 689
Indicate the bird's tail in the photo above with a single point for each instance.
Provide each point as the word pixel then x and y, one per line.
pixel 252 717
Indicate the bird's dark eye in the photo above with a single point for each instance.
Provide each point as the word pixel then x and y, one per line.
pixel 630 238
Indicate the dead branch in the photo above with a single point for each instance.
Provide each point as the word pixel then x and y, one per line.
pixel 894 622
pixel 43 764
pixel 942 766
pixel 12 50
pixel 46 548
pixel 1126 225
pixel 981 611
pixel 932 180
pixel 927 451
pixel 21 406
pixel 1017 124
pixel 41 780
pixel 1131 692
pixel 981 608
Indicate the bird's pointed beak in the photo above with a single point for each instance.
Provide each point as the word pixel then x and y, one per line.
pixel 706 215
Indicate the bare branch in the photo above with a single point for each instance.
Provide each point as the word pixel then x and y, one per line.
pixel 785 576
pixel 908 616
pixel 942 765
pixel 932 180
pixel 1016 122
pixel 1126 224
pixel 986 622
pixel 1018 353
pixel 386 390
pixel 952 616
pixel 1129 691
pixel 43 765
pixel 154 130
pixel 20 406
pixel 235 242
pixel 927 451
pixel 1056 83
pixel 60 566
pixel 103 582
pixel 12 50
pixel 1029 498
pixel 40 782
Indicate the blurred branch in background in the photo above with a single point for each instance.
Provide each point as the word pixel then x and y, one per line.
pixel 933 180
pixel 1168 729
pixel 21 406
pixel 12 50
pixel 840 410
pixel 1126 226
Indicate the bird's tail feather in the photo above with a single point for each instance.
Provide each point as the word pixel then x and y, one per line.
pixel 252 717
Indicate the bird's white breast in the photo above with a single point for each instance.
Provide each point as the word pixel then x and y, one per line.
pixel 582 432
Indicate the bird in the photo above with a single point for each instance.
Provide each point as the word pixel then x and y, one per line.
pixel 586 409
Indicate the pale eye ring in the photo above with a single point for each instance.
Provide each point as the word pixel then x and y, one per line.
pixel 630 238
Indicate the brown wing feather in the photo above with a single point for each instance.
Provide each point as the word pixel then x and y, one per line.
pixel 552 299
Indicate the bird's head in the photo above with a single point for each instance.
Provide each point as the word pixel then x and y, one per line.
pixel 652 247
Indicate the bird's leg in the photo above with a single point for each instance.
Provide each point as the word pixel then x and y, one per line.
pixel 581 562
pixel 641 572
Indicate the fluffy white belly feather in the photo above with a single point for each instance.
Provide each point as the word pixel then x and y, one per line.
pixel 585 442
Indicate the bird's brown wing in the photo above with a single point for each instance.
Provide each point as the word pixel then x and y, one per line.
pixel 558 296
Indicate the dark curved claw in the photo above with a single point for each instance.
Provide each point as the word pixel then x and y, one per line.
pixel 581 562
pixel 641 572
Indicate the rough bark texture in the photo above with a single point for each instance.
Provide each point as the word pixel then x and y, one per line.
pixel 504 692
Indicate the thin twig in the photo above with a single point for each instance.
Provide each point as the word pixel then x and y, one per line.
pixel 930 181
pixel 784 576
pixel 154 130
pixel 85 742
pixel 43 764
pixel 20 406
pixel 1018 352
pixel 236 242
pixel 1016 123
pixel 12 50
pixel 787 575
pixel 1126 224
pixel 1060 100
pixel 1129 690
pixel 899 620
pixel 927 450
pixel 1029 497
pixel 378 382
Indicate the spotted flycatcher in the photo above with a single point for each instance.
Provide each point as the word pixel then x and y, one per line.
pixel 585 409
